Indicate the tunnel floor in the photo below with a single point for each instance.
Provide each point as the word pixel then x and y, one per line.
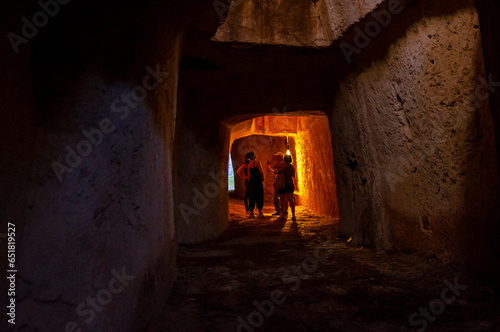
pixel 339 287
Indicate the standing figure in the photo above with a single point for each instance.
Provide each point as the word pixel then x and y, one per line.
pixel 245 175
pixel 286 194
pixel 257 189
pixel 277 159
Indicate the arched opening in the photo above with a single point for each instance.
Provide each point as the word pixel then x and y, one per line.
pixel 307 138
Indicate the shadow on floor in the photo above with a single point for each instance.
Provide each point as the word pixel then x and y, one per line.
pixel 261 275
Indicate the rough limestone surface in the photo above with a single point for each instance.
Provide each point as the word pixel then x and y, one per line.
pixel 315 166
pixel 200 180
pixel 414 138
pixel 104 211
pixel 99 223
pixel 299 23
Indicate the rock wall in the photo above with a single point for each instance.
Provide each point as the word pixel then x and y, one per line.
pixel 315 167
pixel 315 23
pixel 200 175
pixel 98 218
pixel 343 14
pixel 413 139
pixel 264 22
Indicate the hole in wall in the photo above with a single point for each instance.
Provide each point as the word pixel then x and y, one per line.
pixel 230 175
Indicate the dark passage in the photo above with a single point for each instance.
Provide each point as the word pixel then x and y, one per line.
pixel 319 282
pixel 119 121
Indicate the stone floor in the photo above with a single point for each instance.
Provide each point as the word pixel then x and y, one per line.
pixel 305 278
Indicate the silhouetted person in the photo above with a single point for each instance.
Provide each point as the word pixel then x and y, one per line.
pixel 257 189
pixel 277 158
pixel 286 194
pixel 245 175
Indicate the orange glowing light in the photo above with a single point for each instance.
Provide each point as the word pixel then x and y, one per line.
pixel 288 152
pixel 300 167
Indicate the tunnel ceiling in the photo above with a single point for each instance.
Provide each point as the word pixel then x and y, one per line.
pixel 259 74
pixel 266 125
pixel 317 23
